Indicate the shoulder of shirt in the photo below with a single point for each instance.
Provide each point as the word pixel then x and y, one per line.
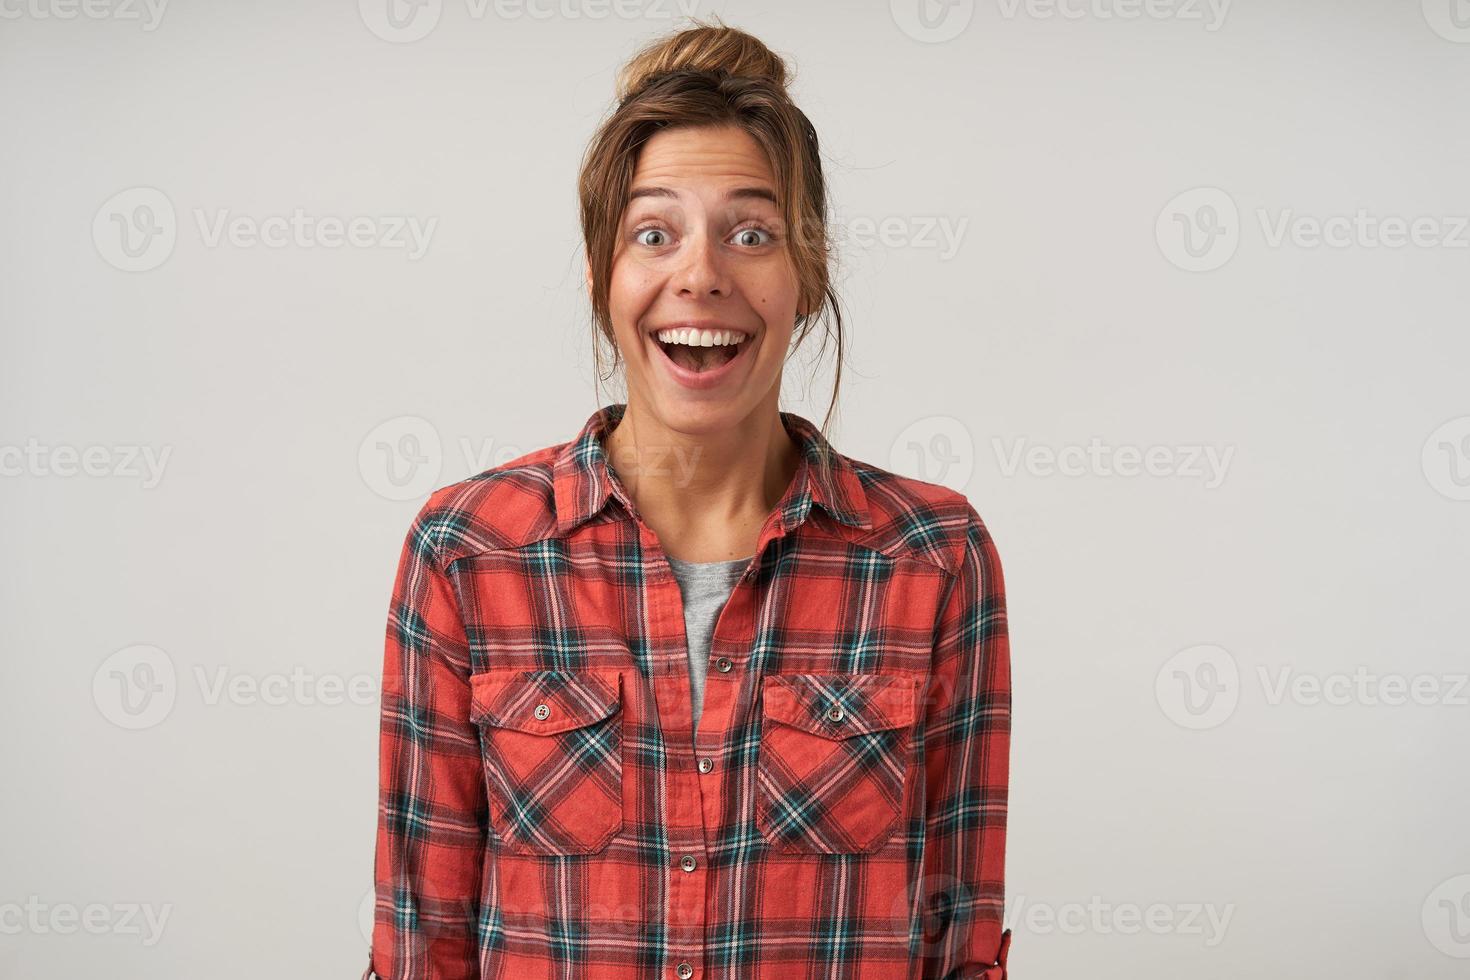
pixel 917 518
pixel 512 505
pixel 509 505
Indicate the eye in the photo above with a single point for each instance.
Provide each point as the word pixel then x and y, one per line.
pixel 743 237
pixel 639 237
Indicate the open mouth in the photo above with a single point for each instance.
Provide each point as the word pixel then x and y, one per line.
pixel 699 351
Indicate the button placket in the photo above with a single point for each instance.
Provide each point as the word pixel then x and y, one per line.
pixel 685 795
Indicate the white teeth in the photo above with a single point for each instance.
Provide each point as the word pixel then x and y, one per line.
pixel 690 337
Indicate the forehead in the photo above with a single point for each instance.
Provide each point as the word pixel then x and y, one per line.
pixel 692 155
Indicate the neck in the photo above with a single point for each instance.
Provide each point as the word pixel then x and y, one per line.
pixel 706 494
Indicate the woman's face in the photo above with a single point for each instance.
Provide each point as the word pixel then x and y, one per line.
pixel 702 247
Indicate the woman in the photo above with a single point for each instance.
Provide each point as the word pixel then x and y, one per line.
pixel 692 694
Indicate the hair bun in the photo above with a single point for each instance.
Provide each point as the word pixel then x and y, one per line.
pixel 707 47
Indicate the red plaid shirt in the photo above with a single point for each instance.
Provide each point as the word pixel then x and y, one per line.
pixel 546 809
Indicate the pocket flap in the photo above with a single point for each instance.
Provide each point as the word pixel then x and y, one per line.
pixel 840 705
pixel 544 702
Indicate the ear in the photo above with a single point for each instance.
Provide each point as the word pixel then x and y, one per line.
pixel 587 266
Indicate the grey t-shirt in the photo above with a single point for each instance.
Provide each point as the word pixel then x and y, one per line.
pixel 705 586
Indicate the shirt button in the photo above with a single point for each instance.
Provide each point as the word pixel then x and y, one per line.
pixel 543 711
pixel 834 713
pixel 723 665
pixel 706 764
pixel 688 863
pixel 684 970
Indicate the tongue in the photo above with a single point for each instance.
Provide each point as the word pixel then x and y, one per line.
pixel 701 358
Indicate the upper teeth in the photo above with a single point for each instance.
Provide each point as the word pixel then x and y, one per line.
pixel 699 338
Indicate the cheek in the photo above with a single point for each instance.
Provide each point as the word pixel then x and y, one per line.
pixel 632 292
pixel 773 290
pixel 777 341
pixel 630 285
pixel 629 295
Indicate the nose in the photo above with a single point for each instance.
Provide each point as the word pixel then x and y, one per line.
pixel 703 271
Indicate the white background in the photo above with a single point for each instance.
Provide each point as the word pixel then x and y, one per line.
pixel 1175 811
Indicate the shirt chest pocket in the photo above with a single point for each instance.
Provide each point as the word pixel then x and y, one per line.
pixel 833 761
pixel 551 745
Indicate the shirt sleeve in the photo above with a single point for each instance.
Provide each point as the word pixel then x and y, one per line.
pixel 967 724
pixel 432 809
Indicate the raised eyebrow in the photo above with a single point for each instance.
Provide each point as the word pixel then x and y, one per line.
pixel 734 194
pixel 747 193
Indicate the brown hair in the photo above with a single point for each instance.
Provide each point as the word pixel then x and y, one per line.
pixel 712 75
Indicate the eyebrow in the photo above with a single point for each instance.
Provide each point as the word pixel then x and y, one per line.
pixel 734 194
